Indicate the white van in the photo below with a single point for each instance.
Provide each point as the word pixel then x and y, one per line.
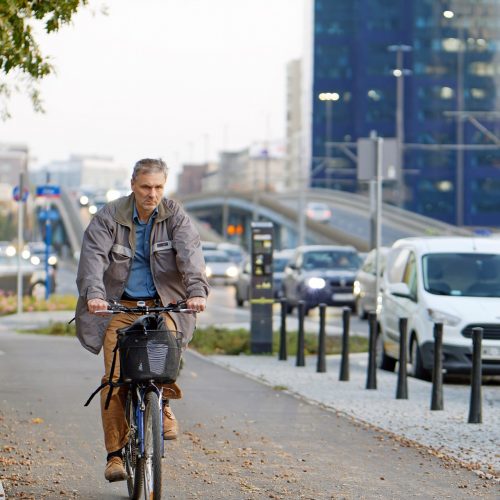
pixel 449 280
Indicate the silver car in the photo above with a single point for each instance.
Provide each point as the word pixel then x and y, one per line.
pixel 243 284
pixel 364 290
pixel 220 269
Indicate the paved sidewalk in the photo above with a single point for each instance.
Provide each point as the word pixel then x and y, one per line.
pixel 445 433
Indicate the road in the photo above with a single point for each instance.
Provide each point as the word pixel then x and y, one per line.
pixel 222 311
pixel 239 439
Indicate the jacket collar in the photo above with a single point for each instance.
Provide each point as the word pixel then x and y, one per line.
pixel 124 210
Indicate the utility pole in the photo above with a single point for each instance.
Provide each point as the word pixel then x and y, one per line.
pixel 400 72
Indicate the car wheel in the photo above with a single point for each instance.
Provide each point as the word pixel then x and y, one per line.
pixel 383 361
pixel 360 310
pixel 239 300
pixel 416 368
pixel 38 290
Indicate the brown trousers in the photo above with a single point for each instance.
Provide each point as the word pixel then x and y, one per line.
pixel 114 423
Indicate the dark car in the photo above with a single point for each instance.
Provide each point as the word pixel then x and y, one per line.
pixel 321 274
pixel 242 286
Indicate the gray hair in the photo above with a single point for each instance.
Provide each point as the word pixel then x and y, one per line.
pixel 150 166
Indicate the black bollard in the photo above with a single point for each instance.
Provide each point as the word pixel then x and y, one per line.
pixel 301 308
pixel 344 360
pixel 402 387
pixel 371 379
pixel 437 371
pixel 475 414
pixel 283 348
pixel 321 364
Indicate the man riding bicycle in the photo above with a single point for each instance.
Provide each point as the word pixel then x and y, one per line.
pixel 138 247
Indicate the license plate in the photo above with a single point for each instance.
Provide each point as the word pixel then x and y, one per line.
pixel 340 297
pixel 491 352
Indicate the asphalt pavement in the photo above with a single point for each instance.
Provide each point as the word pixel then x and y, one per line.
pixel 242 438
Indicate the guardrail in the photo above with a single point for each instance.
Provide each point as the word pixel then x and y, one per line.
pixel 410 222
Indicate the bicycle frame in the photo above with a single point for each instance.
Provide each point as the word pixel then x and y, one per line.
pixel 140 408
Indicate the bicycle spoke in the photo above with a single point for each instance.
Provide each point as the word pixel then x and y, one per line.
pixel 152 447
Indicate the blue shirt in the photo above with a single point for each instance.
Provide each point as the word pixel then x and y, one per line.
pixel 140 281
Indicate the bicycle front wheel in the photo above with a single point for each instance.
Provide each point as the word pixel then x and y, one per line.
pixel 152 447
pixel 133 464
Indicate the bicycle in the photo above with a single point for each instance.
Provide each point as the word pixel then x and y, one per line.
pixel 150 354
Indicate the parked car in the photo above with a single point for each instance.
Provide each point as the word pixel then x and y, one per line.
pixel 318 211
pixel 321 274
pixel 33 277
pixel 220 269
pixel 450 280
pixel 365 293
pixel 243 284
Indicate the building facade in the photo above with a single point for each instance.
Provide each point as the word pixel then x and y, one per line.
pixel 424 71
pixel 85 172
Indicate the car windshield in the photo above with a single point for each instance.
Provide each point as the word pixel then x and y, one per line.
pixel 216 258
pixel 462 274
pixel 279 264
pixel 327 259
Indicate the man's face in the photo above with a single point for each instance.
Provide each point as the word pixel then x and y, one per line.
pixel 148 191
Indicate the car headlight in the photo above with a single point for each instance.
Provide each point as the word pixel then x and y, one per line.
pixel 92 209
pixel 11 251
pixel 35 260
pixel 232 271
pixel 442 317
pixel 52 260
pixel 208 271
pixel 356 288
pixel 316 283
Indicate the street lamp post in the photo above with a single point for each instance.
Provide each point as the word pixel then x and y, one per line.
pixel 400 73
pixel 459 175
pixel 329 98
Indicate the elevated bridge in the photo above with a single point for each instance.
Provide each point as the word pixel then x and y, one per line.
pixel 350 224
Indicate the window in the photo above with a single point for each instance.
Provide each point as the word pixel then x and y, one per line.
pixel 410 275
pixel 396 264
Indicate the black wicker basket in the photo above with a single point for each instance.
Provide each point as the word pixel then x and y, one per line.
pixel 150 355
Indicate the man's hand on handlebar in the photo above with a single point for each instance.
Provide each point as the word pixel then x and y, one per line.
pixel 197 304
pixel 95 305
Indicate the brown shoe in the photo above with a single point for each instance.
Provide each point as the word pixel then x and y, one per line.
pixel 114 470
pixel 170 426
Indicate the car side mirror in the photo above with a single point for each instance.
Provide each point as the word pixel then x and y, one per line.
pixel 399 290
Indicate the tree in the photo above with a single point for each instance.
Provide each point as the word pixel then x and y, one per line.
pixel 21 62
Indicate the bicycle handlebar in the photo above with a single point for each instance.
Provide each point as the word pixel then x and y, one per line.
pixel 141 308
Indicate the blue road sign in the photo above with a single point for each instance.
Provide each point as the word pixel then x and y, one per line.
pixel 48 190
pixel 16 194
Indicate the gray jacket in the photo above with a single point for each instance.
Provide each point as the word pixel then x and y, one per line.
pixel 177 264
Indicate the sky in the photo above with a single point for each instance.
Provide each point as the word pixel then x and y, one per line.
pixel 177 79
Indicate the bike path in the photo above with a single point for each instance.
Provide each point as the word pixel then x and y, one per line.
pixel 239 439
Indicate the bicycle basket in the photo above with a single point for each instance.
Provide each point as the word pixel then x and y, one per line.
pixel 150 355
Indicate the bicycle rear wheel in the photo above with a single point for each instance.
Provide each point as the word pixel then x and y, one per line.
pixel 133 464
pixel 153 443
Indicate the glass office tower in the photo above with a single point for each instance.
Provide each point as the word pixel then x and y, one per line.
pixel 447 56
